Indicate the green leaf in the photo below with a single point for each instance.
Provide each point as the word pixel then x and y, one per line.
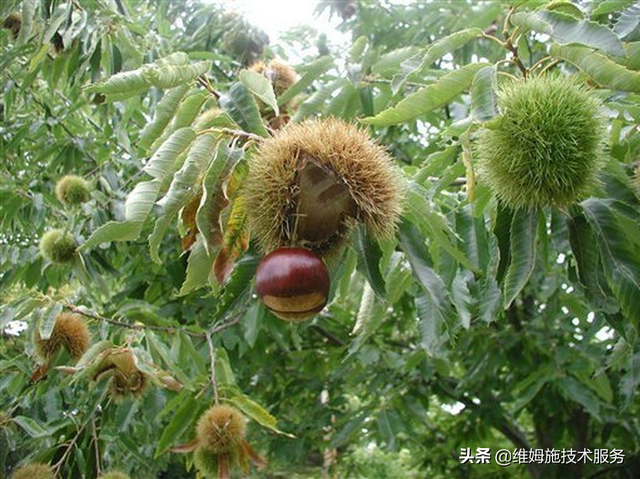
pixel 163 114
pixel 428 98
pixel 462 298
pixel 564 29
pixel 188 111
pixel 260 87
pixel 628 23
pixel 312 71
pixel 576 392
pixel 224 373
pixel 609 6
pixel 525 390
pixel 121 86
pixel 161 162
pixel 241 106
pixel 170 76
pixel 390 62
pixel 208 214
pixel 369 255
pixel 617 231
pixel 602 70
pixel 198 268
pixel 181 421
pixel 176 59
pixel 28 16
pixel 432 224
pixel 365 316
pixel 414 67
pixel 484 99
pixel 433 304
pixel 256 412
pixel 588 263
pixel 489 303
pixel 185 185
pixel 137 207
pixel 48 320
pixel 31 427
pixel 523 251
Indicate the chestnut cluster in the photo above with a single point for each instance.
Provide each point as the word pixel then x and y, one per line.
pixel 308 186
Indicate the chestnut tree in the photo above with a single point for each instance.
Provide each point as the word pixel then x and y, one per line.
pixel 448 209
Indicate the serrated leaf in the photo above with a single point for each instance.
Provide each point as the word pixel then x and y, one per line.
pixel 522 235
pixel 235 240
pixel 432 304
pixel 490 298
pixel 176 59
pixel 312 72
pixel 162 160
pixel 184 117
pixel 608 6
pixel 428 98
pixel 137 207
pixel 433 224
pixel 181 421
pixel 224 373
pixel 601 69
pixel 261 87
pixel 237 287
pixel 628 23
pixel 164 112
pixel 369 255
pixel 240 105
pixel 588 263
pixel 430 322
pixel 185 185
pixel 256 412
pixel 121 86
pixel 198 268
pixel 619 250
pixel 415 66
pixel 213 199
pixel 28 16
pixel 390 62
pixel 48 320
pixel 169 76
pixel 31 427
pixel 462 299
pixel 565 29
pixel 365 311
pixel 576 392
pixel 484 98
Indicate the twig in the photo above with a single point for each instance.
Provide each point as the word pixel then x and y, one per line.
pixel 328 335
pixel 138 327
pixel 224 326
pixel 204 81
pixel 212 355
pixel 539 63
pixel 457 182
pixel 229 131
pixel 549 67
pixel 96 448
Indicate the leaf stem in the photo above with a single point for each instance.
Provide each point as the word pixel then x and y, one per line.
pixel 212 355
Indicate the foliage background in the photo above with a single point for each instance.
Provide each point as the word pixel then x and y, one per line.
pixel 475 327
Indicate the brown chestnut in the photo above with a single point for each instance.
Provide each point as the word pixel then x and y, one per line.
pixel 293 283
